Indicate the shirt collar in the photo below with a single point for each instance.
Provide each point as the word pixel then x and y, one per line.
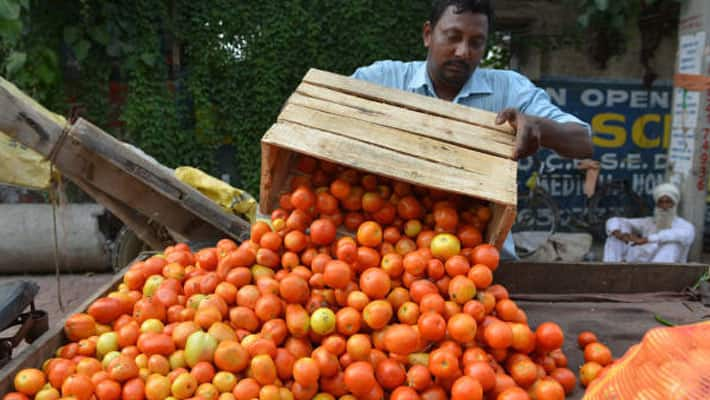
pixel 476 84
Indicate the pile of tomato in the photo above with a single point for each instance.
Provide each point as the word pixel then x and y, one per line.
pixel 404 307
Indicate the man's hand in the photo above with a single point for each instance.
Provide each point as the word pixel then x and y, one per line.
pixel 567 139
pixel 638 240
pixel 624 237
pixel 528 136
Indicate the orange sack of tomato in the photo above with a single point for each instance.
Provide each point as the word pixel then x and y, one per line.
pixel 669 363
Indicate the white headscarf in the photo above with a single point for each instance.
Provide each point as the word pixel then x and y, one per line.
pixel 664 218
pixel 666 189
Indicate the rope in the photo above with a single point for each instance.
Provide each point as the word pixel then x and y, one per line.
pixel 53 198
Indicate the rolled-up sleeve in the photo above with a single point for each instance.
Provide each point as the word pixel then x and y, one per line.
pixel 682 232
pixel 533 100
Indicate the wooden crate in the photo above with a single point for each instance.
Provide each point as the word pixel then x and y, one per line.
pixel 396 134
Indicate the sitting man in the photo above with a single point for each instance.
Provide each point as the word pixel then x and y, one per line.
pixel 665 237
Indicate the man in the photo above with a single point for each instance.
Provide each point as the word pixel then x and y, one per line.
pixel 455 37
pixel 665 237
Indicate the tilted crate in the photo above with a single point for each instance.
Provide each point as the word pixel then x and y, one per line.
pixel 395 134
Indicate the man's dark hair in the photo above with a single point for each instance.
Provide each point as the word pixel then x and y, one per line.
pixel 475 6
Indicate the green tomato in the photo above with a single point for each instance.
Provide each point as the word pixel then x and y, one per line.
pixel 107 343
pixel 200 346
pixel 323 321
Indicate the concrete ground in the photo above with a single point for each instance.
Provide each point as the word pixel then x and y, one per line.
pixel 75 289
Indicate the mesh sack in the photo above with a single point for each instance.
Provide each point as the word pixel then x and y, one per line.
pixel 669 363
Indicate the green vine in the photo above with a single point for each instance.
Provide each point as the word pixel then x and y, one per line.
pixel 197 83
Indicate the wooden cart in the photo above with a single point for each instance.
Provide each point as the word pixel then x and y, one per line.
pixel 135 188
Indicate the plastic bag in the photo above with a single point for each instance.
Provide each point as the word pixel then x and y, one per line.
pixel 21 166
pixel 228 197
pixel 669 363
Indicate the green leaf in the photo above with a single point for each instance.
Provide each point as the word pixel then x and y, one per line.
pixel 148 59
pixel 9 9
pixel 583 20
pixel 618 22
pixel 10 29
pixel 113 49
pixel 25 4
pixel 602 4
pixel 71 35
pixel 99 34
pixel 46 74
pixel 15 61
pixel 81 50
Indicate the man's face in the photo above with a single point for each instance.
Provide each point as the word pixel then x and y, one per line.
pixel 665 203
pixel 456 45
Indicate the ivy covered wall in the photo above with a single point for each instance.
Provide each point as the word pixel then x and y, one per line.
pixel 181 79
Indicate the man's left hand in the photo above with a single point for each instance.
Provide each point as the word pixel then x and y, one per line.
pixel 527 131
pixel 638 240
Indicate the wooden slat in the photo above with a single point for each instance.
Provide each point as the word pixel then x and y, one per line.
pixel 405 99
pixel 275 169
pixel 487 170
pixel 26 121
pixel 185 210
pixel 597 277
pixel 502 219
pixel 138 223
pixel 381 161
pixel 459 133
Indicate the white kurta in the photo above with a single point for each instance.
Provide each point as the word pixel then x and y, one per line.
pixel 665 245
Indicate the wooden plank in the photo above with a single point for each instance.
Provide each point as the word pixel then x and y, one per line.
pixel 429 105
pixel 440 128
pixel 276 165
pixel 502 219
pixel 271 171
pixel 596 277
pixel 44 346
pixel 28 122
pixel 139 170
pixel 79 164
pixel 487 170
pixel 381 161
pixel 138 223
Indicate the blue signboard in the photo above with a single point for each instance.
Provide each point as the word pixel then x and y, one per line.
pixel 631 132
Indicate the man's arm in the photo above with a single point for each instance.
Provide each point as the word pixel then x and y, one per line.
pixel 540 123
pixel 683 233
pixel 568 139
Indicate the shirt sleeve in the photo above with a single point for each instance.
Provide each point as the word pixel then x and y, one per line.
pixel 385 73
pixel 627 225
pixel 535 101
pixel 683 233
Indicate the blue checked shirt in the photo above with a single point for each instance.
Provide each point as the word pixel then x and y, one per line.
pixel 488 89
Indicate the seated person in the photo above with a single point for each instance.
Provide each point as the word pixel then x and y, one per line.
pixel 665 237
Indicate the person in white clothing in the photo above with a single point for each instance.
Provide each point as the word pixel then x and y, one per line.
pixel 664 237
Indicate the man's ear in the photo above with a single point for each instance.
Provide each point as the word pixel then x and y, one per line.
pixel 426 33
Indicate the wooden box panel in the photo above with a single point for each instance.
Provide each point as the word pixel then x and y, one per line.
pixel 394 134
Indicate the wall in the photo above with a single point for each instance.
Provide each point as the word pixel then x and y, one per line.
pixel 556 19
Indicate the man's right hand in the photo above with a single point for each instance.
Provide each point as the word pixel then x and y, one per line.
pixel 624 237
